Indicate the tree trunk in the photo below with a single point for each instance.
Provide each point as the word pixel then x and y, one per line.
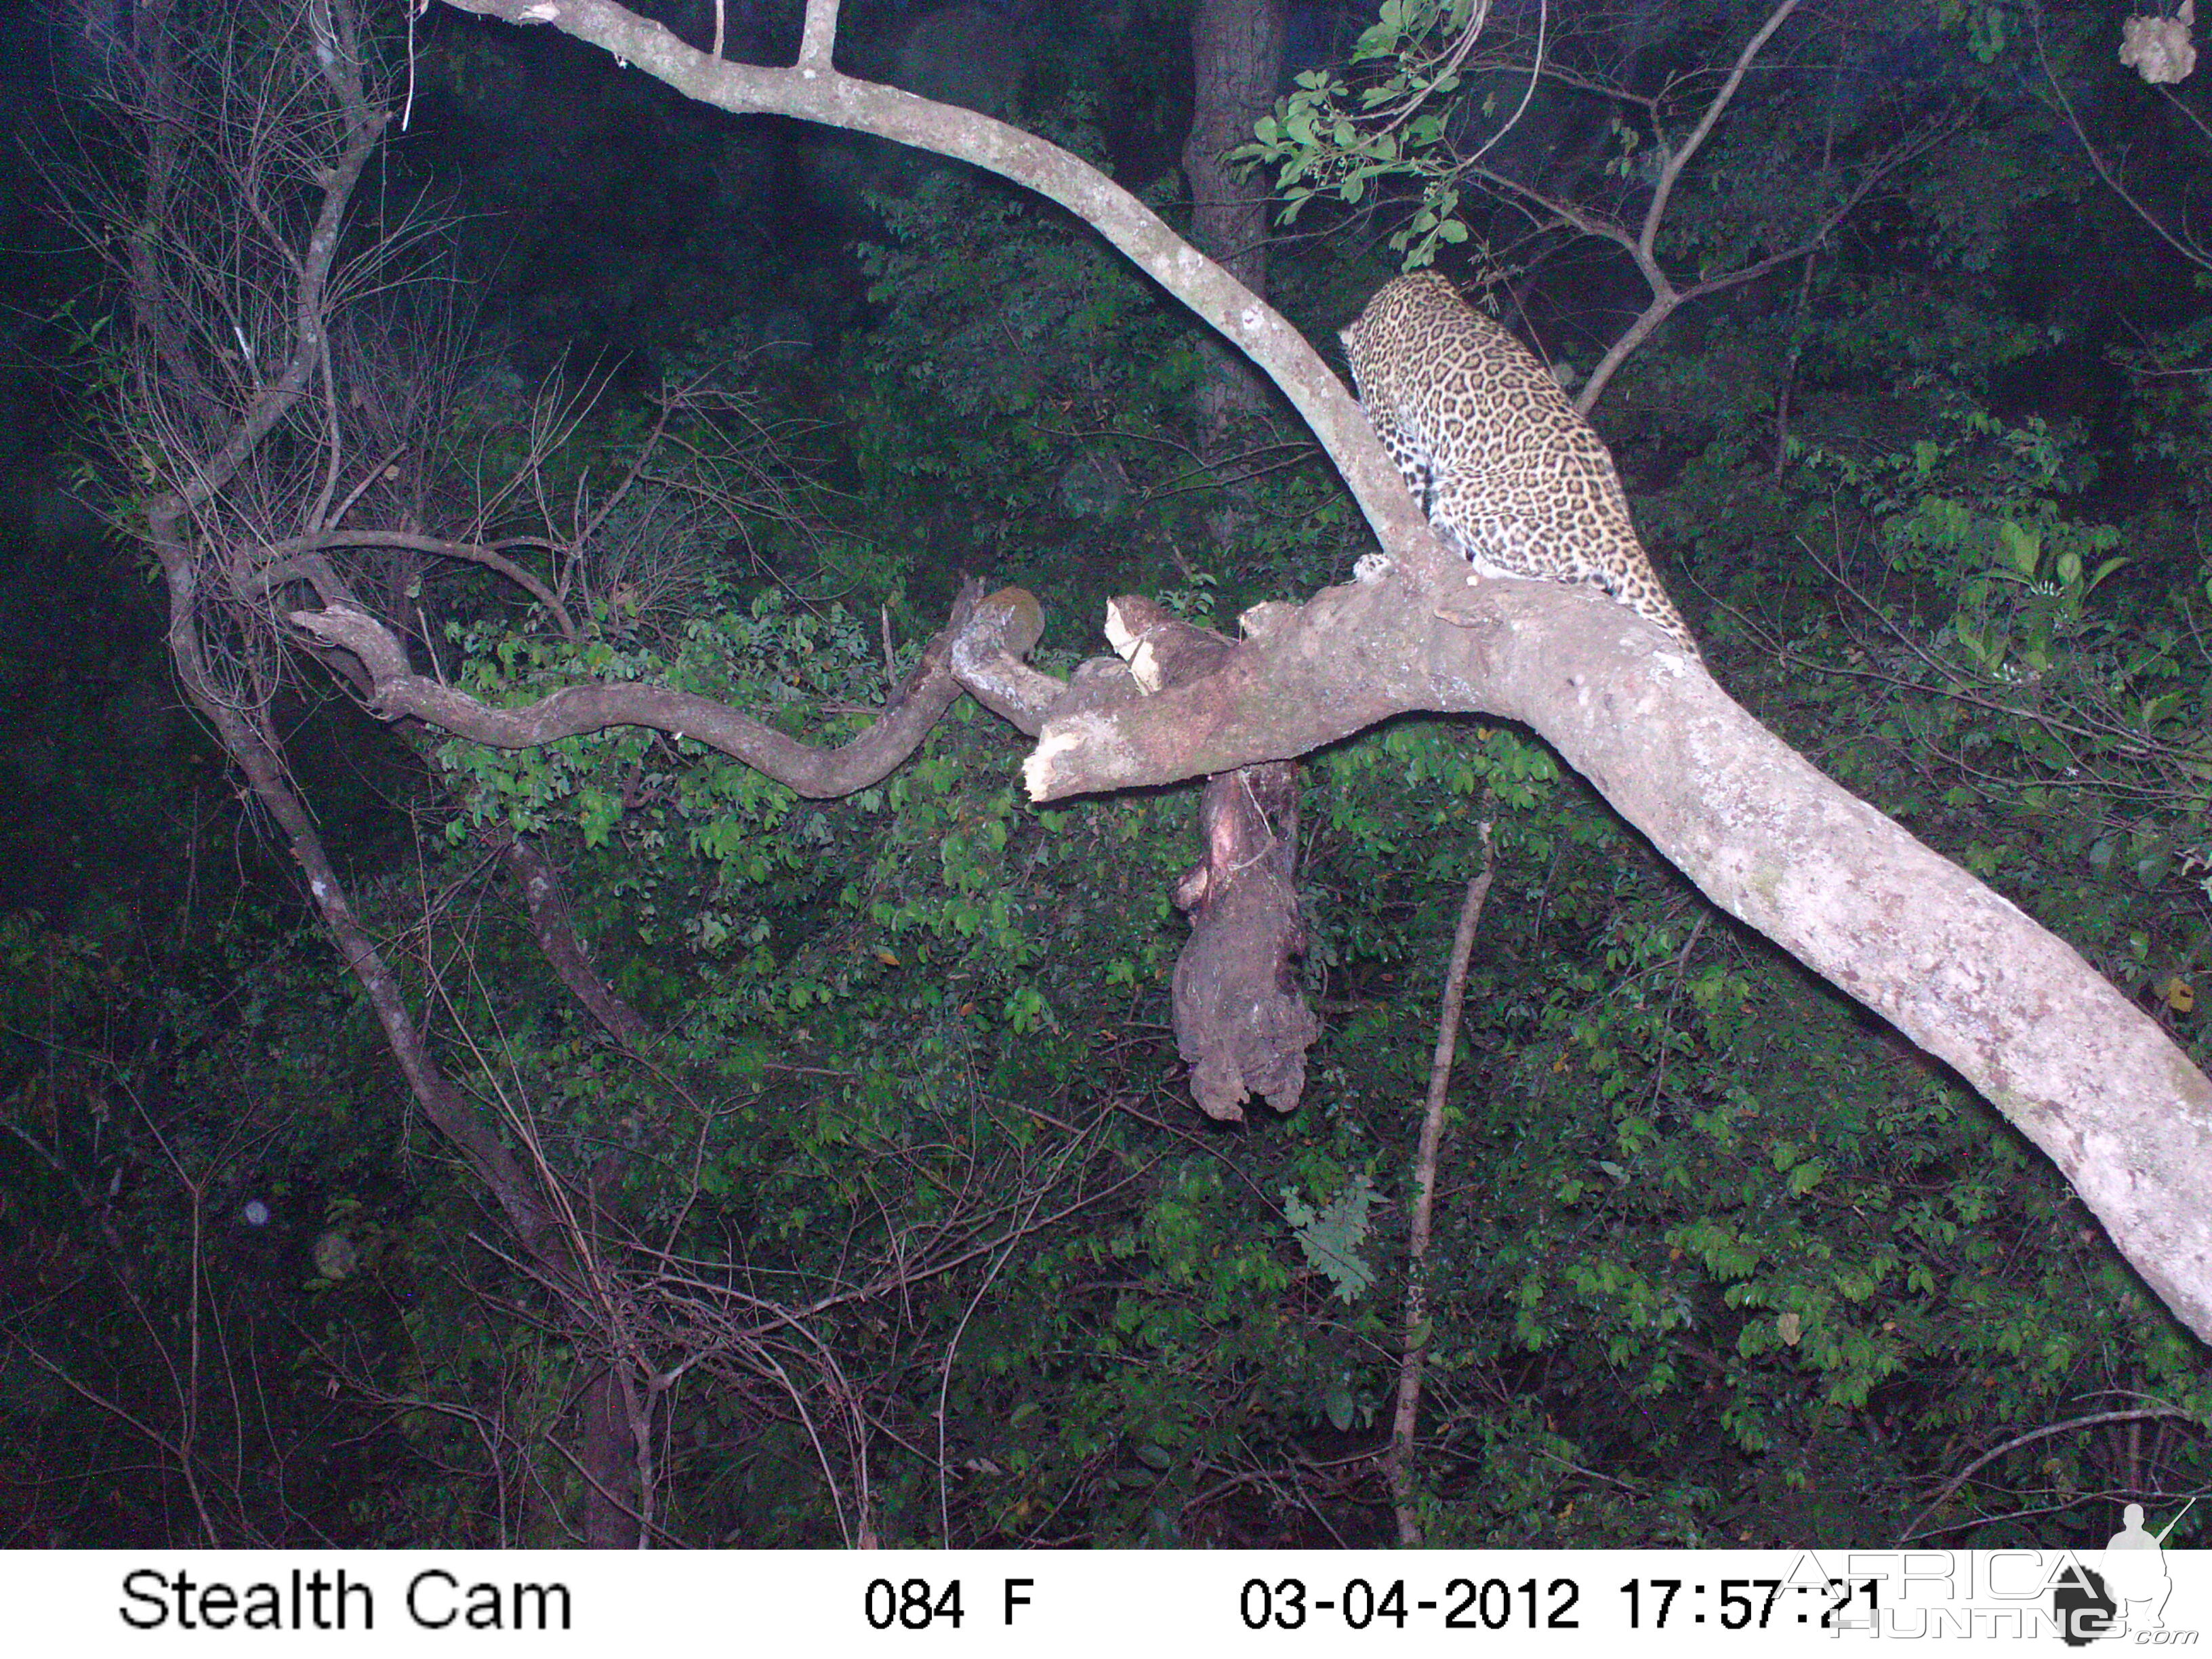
pixel 1236 58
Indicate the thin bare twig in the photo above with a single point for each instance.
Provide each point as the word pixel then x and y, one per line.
pixel 1412 1363
pixel 2072 1423
pixel 2195 252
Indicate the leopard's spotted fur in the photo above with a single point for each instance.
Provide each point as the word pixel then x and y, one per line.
pixel 1509 475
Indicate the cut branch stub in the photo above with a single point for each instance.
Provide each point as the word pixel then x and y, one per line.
pixel 987 659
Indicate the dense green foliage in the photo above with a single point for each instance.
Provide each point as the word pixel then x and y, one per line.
pixel 904 1202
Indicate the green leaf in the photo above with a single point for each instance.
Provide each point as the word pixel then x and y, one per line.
pixel 1330 1236
pixel 1339 1405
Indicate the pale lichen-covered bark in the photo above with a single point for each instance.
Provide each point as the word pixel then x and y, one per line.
pixel 1965 973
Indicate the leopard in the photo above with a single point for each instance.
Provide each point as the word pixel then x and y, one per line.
pixel 1506 470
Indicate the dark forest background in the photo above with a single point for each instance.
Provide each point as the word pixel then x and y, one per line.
pixel 891 1199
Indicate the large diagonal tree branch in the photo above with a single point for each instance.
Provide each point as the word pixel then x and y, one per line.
pixel 1958 968
pixel 814 91
pixel 1963 973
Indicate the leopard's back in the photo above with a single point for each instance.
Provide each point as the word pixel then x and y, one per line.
pixel 1509 474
